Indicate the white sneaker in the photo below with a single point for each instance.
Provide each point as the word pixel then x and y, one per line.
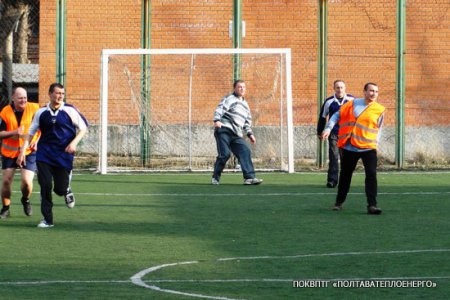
pixel 70 199
pixel 253 181
pixel 214 181
pixel 44 224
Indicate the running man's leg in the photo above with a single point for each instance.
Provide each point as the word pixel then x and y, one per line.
pixel 45 178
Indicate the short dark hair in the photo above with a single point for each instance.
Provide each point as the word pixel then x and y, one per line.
pixel 366 86
pixel 55 85
pixel 336 81
pixel 237 81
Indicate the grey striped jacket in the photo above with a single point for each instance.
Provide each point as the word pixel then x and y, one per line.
pixel 234 114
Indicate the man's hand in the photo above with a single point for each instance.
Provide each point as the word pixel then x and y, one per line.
pixel 33 146
pixel 21 161
pixel 325 134
pixel 252 139
pixel 217 124
pixel 20 130
pixel 71 148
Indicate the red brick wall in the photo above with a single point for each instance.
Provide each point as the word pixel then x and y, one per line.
pixel 362 48
pixel 89 29
pixel 289 24
pixel 47 47
pixel 361 44
pixel 428 63
pixel 191 24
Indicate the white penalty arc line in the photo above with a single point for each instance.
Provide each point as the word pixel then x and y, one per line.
pixel 137 278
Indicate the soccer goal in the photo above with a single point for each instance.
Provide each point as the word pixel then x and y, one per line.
pixel 157 107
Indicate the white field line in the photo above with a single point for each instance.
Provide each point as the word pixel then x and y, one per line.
pixel 335 254
pixel 137 278
pixel 287 280
pixel 246 194
pixel 45 282
pixel 236 172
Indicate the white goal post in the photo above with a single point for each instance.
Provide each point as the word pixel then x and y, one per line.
pixel 160 97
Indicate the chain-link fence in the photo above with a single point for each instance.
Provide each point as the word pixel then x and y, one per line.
pixel 361 47
pixel 362 41
pixel 19 46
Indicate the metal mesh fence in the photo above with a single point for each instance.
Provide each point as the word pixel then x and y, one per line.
pixel 361 47
pixel 19 45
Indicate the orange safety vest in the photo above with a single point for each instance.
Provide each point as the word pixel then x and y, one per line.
pixel 361 131
pixel 11 146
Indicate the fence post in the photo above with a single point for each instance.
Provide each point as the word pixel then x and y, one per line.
pixel 322 72
pixel 400 84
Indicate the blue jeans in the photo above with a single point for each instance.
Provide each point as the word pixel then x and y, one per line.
pixel 228 142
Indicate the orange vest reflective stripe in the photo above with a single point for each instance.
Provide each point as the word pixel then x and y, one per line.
pixel 11 146
pixel 362 131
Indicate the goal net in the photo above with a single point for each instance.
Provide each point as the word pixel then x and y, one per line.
pixel 157 107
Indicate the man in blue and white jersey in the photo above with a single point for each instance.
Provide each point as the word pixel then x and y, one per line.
pixel 330 106
pixel 62 128
pixel 231 117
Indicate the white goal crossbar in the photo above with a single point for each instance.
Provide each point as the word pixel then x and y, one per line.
pixel 106 53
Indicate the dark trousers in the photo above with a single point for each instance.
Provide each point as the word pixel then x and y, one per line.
pixel 348 164
pixel 227 142
pixel 48 174
pixel 333 156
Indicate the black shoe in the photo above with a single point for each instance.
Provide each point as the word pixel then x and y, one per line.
pixel 331 184
pixel 4 213
pixel 373 210
pixel 27 207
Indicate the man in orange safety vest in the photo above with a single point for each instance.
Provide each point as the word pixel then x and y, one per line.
pixel 15 119
pixel 360 124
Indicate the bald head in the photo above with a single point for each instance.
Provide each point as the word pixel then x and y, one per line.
pixel 20 98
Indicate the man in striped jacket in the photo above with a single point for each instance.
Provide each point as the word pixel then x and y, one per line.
pixel 231 117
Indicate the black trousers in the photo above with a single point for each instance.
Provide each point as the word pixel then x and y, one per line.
pixel 333 156
pixel 48 174
pixel 348 164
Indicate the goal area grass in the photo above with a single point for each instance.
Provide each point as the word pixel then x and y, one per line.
pixel 175 236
